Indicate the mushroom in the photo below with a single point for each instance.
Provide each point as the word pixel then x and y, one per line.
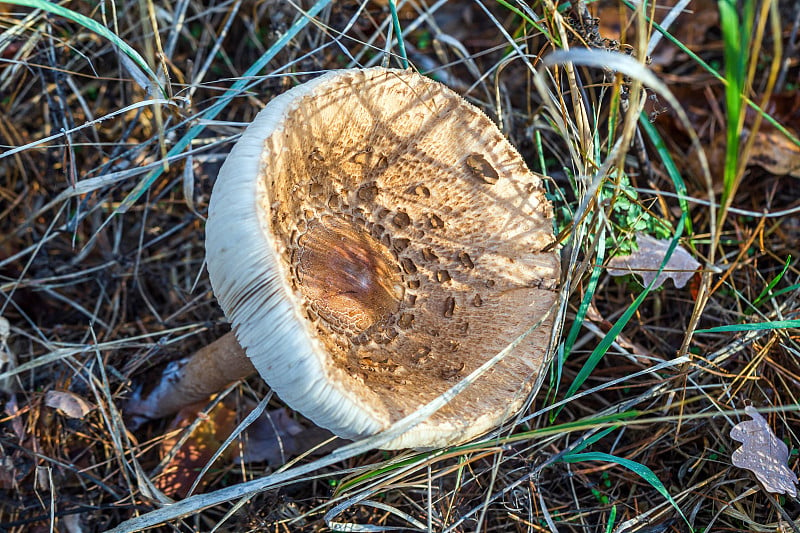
pixel 373 238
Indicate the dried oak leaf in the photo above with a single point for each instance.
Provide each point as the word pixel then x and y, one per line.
pixel 763 454
pixel 648 258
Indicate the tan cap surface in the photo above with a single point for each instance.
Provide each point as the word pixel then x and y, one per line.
pixel 374 238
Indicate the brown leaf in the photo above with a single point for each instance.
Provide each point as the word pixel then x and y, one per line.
pixel 763 454
pixel 772 149
pixel 68 403
pixel 270 438
pixel 691 28
pixel 648 258
pixel 181 471
pixel 776 154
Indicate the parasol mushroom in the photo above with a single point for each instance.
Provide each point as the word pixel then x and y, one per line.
pixel 373 238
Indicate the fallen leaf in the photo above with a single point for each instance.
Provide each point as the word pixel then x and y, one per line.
pixel 763 454
pixel 69 404
pixel 187 461
pixel 772 149
pixel 775 153
pixel 648 258
pixel 270 438
pixel 691 28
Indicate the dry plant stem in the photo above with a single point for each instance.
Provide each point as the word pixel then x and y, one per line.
pixel 194 378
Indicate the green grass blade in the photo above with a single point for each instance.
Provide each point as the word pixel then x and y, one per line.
pixel 736 52
pixel 771 285
pixel 95 27
pixel 397 31
pixel 591 440
pixel 669 165
pixel 600 350
pixel 538 27
pixel 612 517
pixel 757 326
pixel 585 301
pixel 637 468
pixel 791 288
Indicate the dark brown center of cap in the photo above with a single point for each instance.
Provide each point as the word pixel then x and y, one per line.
pixel 349 278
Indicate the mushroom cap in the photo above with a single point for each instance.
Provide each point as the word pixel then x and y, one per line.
pixel 374 238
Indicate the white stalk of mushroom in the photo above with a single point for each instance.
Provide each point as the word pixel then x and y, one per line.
pixel 373 238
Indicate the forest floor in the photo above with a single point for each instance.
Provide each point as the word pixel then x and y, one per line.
pixel 115 118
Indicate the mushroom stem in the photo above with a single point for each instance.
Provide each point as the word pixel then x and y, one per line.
pixel 192 379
